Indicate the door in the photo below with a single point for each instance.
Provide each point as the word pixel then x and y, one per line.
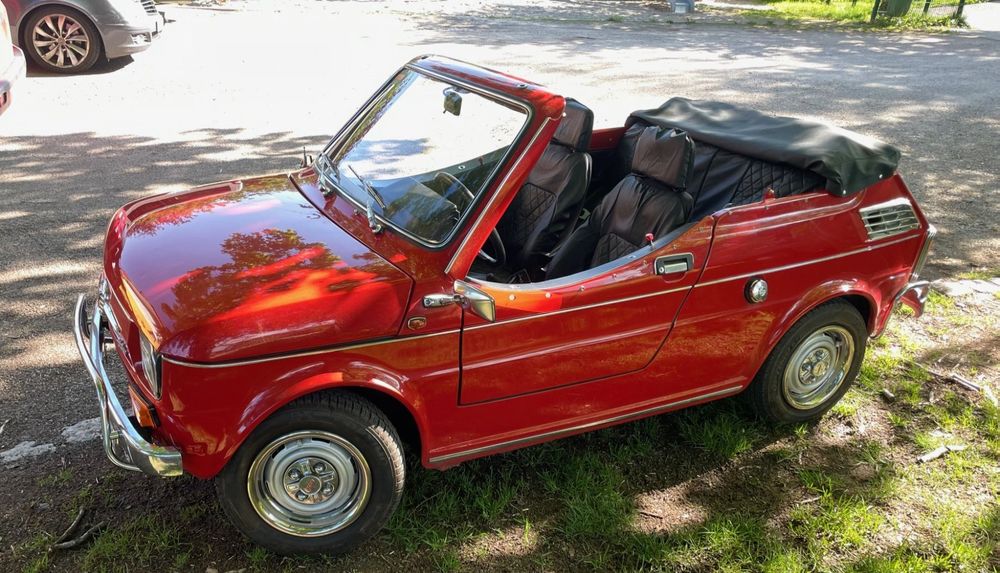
pixel 603 322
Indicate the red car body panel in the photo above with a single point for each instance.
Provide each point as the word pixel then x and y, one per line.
pixel 249 268
pixel 562 356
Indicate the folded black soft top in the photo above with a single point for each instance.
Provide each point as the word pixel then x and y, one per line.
pixel 849 161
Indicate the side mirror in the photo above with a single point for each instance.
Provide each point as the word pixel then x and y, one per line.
pixel 452 101
pixel 480 303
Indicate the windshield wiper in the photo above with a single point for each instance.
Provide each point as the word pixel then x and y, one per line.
pixel 372 194
pixel 326 184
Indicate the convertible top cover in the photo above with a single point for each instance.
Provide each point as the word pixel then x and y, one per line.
pixel 848 161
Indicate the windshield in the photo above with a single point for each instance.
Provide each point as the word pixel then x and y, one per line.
pixel 423 153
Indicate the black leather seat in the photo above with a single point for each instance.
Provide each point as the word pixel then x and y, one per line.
pixel 721 177
pixel 548 204
pixel 650 200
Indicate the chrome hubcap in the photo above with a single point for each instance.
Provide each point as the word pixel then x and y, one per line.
pixel 818 367
pixel 309 483
pixel 60 40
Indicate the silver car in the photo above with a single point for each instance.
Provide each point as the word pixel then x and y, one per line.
pixel 70 36
pixel 11 63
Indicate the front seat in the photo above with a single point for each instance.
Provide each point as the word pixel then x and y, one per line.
pixel 649 200
pixel 548 204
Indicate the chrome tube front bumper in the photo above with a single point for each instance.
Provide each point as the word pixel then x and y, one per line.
pixel 123 444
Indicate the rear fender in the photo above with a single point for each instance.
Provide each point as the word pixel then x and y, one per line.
pixel 822 293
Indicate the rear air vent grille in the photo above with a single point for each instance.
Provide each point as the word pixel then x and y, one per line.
pixel 889 218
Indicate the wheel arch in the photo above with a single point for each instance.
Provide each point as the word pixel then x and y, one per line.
pixel 386 396
pixel 857 293
pixel 21 26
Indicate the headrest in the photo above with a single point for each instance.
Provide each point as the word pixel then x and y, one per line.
pixel 576 126
pixel 664 154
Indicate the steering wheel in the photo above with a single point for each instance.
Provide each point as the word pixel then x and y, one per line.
pixel 495 242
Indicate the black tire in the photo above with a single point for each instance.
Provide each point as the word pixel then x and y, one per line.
pixel 87 61
pixel 768 394
pixel 350 417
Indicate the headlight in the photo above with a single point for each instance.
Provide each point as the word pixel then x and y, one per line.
pixel 150 365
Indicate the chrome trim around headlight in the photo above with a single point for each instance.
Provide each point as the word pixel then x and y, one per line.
pixel 152 365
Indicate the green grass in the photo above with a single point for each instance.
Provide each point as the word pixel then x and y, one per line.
pixel 59 478
pixel 846 12
pixel 36 552
pixel 850 405
pixel 136 546
pixel 983 273
pixel 718 429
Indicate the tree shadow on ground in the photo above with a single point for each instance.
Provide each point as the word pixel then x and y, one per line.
pixel 621 498
pixel 58 195
pixel 901 88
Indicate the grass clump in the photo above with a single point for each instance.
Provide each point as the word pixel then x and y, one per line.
pixel 984 273
pixel 137 545
pixel 847 12
pixel 719 429
pixel 591 493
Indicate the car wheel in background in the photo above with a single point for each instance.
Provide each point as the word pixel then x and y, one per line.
pixel 62 40
pixel 322 475
pixel 812 366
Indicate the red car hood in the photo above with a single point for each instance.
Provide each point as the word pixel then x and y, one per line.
pixel 247 269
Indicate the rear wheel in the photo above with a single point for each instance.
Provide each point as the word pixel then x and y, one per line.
pixel 320 476
pixel 61 40
pixel 812 366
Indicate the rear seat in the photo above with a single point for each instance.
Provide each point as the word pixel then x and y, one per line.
pixel 720 178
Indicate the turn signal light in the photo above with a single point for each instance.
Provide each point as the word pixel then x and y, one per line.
pixel 143 413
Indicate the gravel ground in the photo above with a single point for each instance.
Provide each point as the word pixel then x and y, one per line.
pixel 240 91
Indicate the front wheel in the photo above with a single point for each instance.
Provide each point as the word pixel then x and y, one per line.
pixel 320 476
pixel 812 366
pixel 61 40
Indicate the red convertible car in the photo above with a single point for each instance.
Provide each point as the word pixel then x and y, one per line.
pixel 468 268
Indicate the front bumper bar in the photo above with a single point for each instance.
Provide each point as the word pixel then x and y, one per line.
pixel 123 444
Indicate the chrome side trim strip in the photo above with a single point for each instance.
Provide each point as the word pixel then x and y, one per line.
pixel 328 350
pixel 805 263
pixel 574 309
pixel 493 198
pixel 583 427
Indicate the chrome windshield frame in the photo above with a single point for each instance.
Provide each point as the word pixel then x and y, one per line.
pixel 334 145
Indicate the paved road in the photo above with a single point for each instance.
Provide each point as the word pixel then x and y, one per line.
pixel 984 18
pixel 225 94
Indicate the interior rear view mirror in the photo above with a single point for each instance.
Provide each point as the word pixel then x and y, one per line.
pixel 452 101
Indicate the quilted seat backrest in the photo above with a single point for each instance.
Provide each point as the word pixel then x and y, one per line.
pixel 545 208
pixel 720 177
pixel 650 200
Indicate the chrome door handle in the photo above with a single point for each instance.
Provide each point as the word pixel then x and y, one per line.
pixel 439 300
pixel 673 264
